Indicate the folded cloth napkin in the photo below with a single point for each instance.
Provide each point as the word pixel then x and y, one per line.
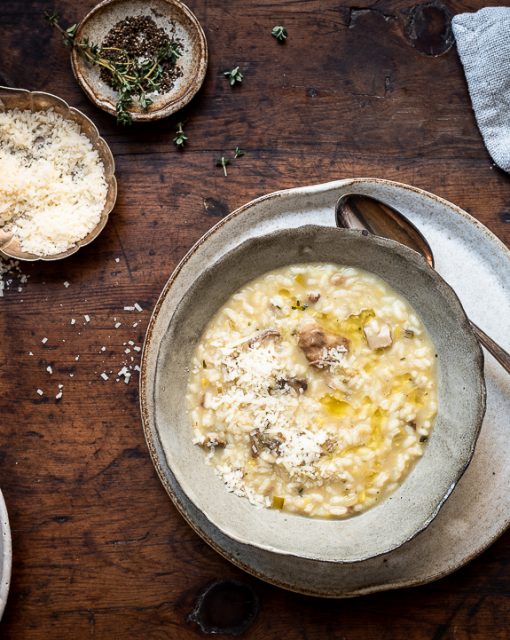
pixel 483 42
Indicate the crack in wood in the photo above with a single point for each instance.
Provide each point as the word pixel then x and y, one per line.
pixel 357 12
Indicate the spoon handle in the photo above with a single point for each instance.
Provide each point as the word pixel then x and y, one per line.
pixel 502 356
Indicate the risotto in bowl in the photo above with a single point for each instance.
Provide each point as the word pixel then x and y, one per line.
pixel 318 392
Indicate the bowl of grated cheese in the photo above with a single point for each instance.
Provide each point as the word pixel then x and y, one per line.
pixel 57 177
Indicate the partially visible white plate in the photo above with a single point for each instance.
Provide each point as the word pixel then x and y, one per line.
pixel 5 554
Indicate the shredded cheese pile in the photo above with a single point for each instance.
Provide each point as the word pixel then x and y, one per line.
pixel 52 183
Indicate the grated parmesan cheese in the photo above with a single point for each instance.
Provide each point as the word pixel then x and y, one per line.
pixel 52 183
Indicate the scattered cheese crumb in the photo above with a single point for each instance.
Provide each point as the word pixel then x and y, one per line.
pixel 40 392
pixel 66 284
pixel 87 317
pixel 49 369
pixel 44 340
pixel 117 324
pixel 103 348
pixel 129 308
pixel 73 321
pixel 138 307
pixel 10 271
pixel 104 376
pixel 117 259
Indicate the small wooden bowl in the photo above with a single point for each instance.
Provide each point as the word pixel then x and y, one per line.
pixel 176 19
pixel 40 101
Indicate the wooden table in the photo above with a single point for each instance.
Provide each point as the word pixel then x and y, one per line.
pixel 99 550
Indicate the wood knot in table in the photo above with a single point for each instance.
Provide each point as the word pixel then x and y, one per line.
pixel 429 28
pixel 215 208
pixel 228 607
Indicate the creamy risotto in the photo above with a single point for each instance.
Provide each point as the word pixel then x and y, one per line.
pixel 313 390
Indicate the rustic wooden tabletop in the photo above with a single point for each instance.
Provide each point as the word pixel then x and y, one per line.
pixel 99 549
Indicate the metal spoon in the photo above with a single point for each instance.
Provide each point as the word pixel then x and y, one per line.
pixel 362 212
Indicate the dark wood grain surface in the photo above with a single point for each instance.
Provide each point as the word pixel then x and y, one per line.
pixel 99 550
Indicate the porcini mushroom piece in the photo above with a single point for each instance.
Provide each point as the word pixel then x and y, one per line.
pixel 264 335
pixel 314 342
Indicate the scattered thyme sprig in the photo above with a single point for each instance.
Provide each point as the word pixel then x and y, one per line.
pixel 280 33
pixel 223 162
pixel 132 78
pixel 180 137
pixel 234 76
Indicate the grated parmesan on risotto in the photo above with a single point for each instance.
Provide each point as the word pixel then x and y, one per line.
pixel 52 183
pixel 313 390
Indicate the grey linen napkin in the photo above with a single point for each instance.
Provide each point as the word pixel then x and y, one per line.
pixel 483 42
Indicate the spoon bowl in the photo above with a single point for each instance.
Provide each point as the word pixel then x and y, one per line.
pixel 354 211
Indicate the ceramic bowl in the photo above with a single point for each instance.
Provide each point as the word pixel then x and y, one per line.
pixel 171 15
pixel 203 282
pixel 40 101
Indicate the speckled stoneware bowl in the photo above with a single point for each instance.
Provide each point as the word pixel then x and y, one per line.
pixel 216 267
pixel 5 555
pixel 171 15
pixel 41 101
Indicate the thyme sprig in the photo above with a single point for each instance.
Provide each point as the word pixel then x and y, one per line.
pixel 234 76
pixel 180 137
pixel 280 33
pixel 223 162
pixel 131 77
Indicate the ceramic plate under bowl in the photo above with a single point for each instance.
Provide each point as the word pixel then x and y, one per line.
pixel 213 270
pixel 478 511
pixel 5 555
pixel 41 101
pixel 176 19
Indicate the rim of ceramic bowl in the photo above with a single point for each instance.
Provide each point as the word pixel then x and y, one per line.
pixel 89 129
pixel 6 559
pixel 152 438
pixel 172 104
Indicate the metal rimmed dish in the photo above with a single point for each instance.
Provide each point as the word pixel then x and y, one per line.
pixel 177 324
pixel 41 101
pixel 171 15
